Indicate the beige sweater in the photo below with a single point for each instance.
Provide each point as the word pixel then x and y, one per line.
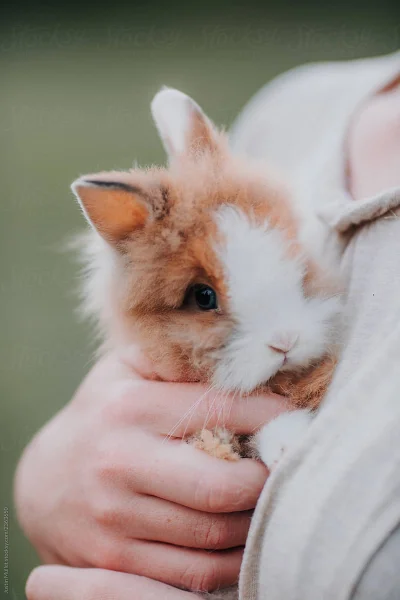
pixel 322 527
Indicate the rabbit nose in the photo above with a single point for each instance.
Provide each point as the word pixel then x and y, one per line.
pixel 283 343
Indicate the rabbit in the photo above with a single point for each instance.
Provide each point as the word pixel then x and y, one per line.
pixel 200 264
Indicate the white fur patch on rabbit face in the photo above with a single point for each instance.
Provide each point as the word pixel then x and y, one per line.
pixel 277 326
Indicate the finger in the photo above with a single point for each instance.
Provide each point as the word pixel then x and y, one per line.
pixel 181 409
pixel 153 519
pixel 67 583
pixel 180 473
pixel 184 567
pixel 135 359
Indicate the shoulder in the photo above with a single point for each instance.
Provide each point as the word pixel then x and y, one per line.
pixel 285 115
pixel 288 117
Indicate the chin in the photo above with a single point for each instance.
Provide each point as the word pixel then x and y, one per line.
pixel 244 378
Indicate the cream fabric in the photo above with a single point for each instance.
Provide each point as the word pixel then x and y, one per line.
pixel 322 527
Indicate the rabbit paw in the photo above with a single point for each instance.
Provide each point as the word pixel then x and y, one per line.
pixel 275 438
pixel 219 442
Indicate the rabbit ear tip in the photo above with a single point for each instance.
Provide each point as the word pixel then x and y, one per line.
pixel 168 93
pixel 181 122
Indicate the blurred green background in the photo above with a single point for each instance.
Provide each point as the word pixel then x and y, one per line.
pixel 76 83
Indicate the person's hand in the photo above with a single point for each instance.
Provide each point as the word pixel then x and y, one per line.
pixel 102 485
pixel 68 583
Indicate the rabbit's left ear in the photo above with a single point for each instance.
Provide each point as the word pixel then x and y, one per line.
pixel 182 125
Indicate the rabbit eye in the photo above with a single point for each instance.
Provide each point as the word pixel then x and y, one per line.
pixel 205 297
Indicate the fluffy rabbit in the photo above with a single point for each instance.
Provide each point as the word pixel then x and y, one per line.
pixel 200 263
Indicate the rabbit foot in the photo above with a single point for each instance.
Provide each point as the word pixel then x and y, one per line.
pixel 275 438
pixel 217 442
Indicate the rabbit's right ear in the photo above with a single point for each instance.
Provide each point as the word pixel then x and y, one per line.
pixel 182 125
pixel 113 204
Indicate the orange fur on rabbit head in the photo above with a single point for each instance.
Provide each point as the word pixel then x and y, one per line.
pixel 199 263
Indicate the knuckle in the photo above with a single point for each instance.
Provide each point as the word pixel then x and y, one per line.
pixel 201 579
pixel 211 534
pixel 110 556
pixel 219 535
pixel 241 496
pixel 108 463
pixel 105 514
pixel 214 495
pixel 114 467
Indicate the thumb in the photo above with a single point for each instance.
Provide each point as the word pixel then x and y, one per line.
pixel 136 359
pixel 68 583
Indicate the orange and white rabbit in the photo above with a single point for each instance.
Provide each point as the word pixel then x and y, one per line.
pixel 200 264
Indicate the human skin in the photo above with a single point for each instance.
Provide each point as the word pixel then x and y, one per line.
pixel 374 144
pixel 67 583
pixel 373 160
pixel 102 485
